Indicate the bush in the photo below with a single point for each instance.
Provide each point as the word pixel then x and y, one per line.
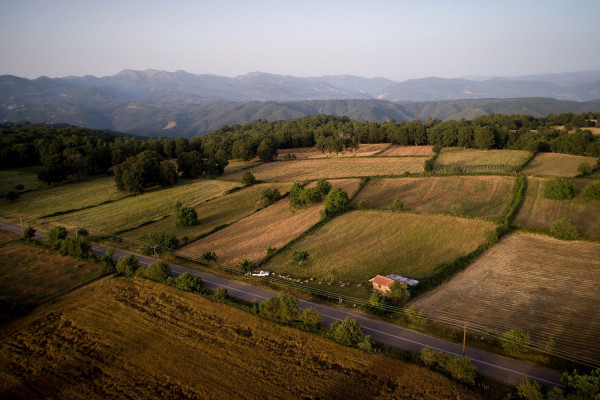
pixel 209 256
pixel 311 317
pixel 247 265
pixel 559 188
pixel 189 283
pixel 76 247
pixel 167 174
pixel 55 236
pixel 158 271
pixel 529 390
pixel 283 308
pixel 564 228
pixel 348 332
pixel 515 341
pixel 323 187
pixel 271 250
pixel 310 196
pixel 248 179
pixel 220 294
pixel 299 256
pixel 429 164
pixel 161 241
pixel 428 356
pixel 584 169
pixel 269 196
pixel 490 237
pixel 127 265
pixel 437 148
pixel 336 201
pixel 592 192
pixel 397 205
pixel 108 264
pixel 398 294
pixel 12 196
pixel 363 205
pixel 29 233
pixel 185 216
pixel 460 369
pixel 416 316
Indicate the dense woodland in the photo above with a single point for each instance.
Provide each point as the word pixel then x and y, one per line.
pixel 63 150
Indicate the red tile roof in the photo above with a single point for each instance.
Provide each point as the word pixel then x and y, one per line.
pixel 382 280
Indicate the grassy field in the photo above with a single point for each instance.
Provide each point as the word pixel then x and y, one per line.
pixel 479 196
pixel 237 165
pixel 286 171
pixel 397 150
pixel 301 153
pixel 544 286
pixel 358 245
pixel 556 164
pixel 222 210
pixel 539 212
pixel 132 338
pixel 30 274
pixel 9 178
pixel 151 206
pixel 456 156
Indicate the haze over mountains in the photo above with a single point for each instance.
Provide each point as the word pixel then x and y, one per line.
pixel 178 103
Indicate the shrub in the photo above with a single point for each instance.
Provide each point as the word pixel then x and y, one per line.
pixel 429 164
pixel 490 237
pixel 584 169
pixel 76 247
pixel 529 390
pixel 428 356
pixel 209 256
pixel 271 250
pixel 247 265
pixel 185 216
pixel 161 241
pixel 310 196
pixel 416 316
pixel 12 196
pixel 248 179
pixel 592 192
pixel 29 233
pixel 55 236
pixel 108 264
pixel 515 341
pixel 189 283
pixel 559 188
pixel 299 256
pixel 564 228
pixel 437 148
pixel 363 205
pixel 323 187
pixel 167 174
pixel 348 332
pixel 398 294
pixel 397 205
pixel 460 369
pixel 220 294
pixel 283 308
pixel 336 201
pixel 158 271
pixel 311 317
pixel 127 265
pixel 269 196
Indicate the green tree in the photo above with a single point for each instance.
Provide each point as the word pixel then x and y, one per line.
pixel 269 196
pixel 416 316
pixel 348 332
pixel 311 317
pixel 398 294
pixel 247 265
pixel 185 216
pixel 167 174
pixel 220 294
pixel 299 256
pixel 515 341
pixel 484 138
pixel 564 228
pixel 189 283
pixel 54 169
pixel 559 189
pixel 55 236
pixel 460 369
pixel 323 186
pixel 310 196
pixel 127 265
pixel 209 256
pixel 397 205
pixel 584 169
pixel 76 247
pixel 137 173
pixel 336 201
pixel 283 308
pixel 267 150
pixel 158 241
pixel 158 271
pixel 190 164
pixel 295 196
pixel 29 233
pixel 248 179
pixel 363 204
pixel 592 191
pixel 582 386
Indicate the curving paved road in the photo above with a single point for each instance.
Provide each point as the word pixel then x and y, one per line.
pixel 500 368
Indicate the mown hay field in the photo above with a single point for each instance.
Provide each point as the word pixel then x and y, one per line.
pixel 544 286
pixel 211 214
pixel 72 196
pixel 457 156
pixel 31 274
pixel 153 205
pixel 397 150
pixel 358 245
pixel 132 338
pixel 286 171
pixel 273 226
pixel 237 165
pixel 9 178
pixel 478 196
pixel 301 153
pixel 556 164
pixel 539 212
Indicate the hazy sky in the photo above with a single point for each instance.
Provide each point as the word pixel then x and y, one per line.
pixel 394 39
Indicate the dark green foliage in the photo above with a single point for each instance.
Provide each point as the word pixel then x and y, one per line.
pixel 460 369
pixel 220 294
pixel 247 265
pixel 267 150
pixel 564 228
pixel 484 138
pixel 29 233
pixel 363 205
pixel 515 341
pixel 108 264
pixel 310 196
pixel 584 169
pixel 416 316
pixel 209 256
pixel 19 187
pixel 76 247
pixel 158 271
pixel 296 196
pixel 158 241
pixel 490 237
pixel 437 148
pixel 336 201
pixel 311 317
pixel 271 250
pixel 248 179
pixel 582 386
pixel 559 188
pixel 398 294
pixel 269 196
pixel 323 186
pixel 190 164
pixel 189 283
pixel 529 390
pixel 168 174
pixel 54 169
pixel 592 191
pixel 127 265
pixel 137 173
pixel 347 332
pixel 185 216
pixel 397 205
pixel 12 196
pixel 299 256
pixel 283 308
pixel 429 165
pixel 55 236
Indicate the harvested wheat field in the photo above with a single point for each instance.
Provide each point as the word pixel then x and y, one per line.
pixel 478 196
pixel 364 150
pixel 457 156
pixel 556 164
pixel 285 171
pixel 132 338
pixel 539 212
pixel 153 205
pixel 544 286
pixel 399 151
pixel 214 213
pixel 358 245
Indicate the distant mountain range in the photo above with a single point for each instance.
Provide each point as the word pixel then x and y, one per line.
pixel 178 103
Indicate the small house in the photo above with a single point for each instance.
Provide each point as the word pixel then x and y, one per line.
pixel 382 283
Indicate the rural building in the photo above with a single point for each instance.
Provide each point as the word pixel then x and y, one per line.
pixel 382 283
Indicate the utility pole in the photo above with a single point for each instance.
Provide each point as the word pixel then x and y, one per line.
pixel 154 247
pixel 22 228
pixel 465 340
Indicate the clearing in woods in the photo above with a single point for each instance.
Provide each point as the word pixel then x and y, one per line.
pixel 286 171
pixel 556 164
pixel 458 156
pixel 544 286
pixel 539 212
pixel 273 226
pixel 358 245
pixel 133 338
pixel 478 196
pixel 301 153
pixel 153 205
pixel 211 214
pixel 9 178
